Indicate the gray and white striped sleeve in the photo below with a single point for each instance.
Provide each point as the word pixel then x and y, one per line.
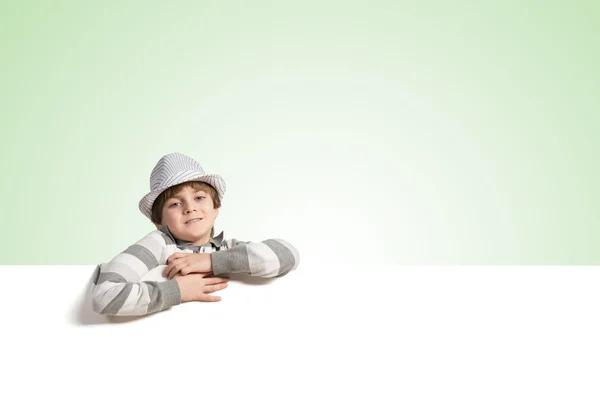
pixel 118 289
pixel 270 258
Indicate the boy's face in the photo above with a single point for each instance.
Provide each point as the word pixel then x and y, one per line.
pixel 190 215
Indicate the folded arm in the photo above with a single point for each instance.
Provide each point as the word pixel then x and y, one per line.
pixel 271 258
pixel 118 289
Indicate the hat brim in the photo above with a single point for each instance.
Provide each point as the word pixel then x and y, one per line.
pixel 216 181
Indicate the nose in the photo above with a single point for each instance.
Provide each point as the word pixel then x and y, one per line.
pixel 189 207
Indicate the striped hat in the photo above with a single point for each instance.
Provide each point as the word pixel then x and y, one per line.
pixel 174 169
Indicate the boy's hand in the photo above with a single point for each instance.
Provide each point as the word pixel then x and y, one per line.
pixel 196 287
pixel 187 263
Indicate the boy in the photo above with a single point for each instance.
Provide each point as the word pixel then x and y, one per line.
pixel 183 204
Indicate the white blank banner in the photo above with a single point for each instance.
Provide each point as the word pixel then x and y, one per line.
pixel 323 342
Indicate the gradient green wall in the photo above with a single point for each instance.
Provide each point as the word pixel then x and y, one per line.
pixel 383 132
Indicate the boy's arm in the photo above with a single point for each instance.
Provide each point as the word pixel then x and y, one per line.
pixel 117 289
pixel 271 258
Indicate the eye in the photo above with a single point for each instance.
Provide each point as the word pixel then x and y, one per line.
pixel 200 198
pixel 173 204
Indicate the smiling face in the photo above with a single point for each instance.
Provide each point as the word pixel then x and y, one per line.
pixel 190 215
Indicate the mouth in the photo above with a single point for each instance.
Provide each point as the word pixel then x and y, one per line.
pixel 193 220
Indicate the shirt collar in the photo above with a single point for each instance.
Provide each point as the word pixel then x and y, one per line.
pixel 217 241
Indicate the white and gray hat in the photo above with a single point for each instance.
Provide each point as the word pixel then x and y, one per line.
pixel 174 169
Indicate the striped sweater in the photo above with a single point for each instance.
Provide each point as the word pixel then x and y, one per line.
pixel 119 288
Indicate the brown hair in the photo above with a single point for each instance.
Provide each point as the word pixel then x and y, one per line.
pixel 167 194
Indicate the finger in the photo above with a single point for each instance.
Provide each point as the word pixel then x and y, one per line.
pixel 176 267
pixel 212 275
pixel 175 256
pixel 215 280
pixel 169 271
pixel 212 288
pixel 210 298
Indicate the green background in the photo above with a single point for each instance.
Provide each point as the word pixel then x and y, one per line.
pixel 363 132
